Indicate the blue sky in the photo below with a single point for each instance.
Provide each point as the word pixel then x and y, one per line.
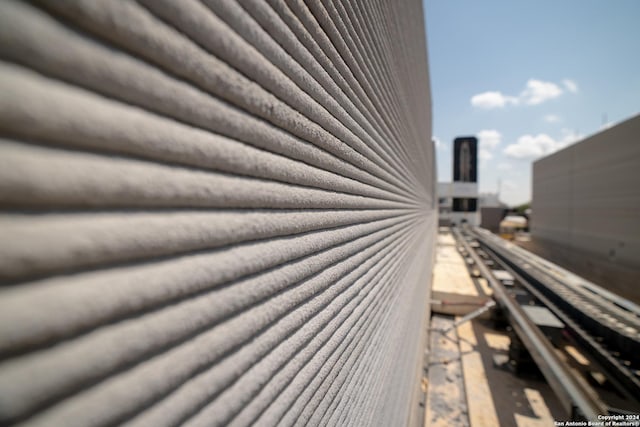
pixel 528 78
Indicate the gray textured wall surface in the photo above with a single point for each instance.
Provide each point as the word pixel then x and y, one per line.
pixel 213 213
pixel 586 207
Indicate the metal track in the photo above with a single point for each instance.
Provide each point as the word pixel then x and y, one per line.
pixel 601 323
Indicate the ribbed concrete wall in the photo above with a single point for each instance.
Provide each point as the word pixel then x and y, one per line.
pixel 586 207
pixel 213 213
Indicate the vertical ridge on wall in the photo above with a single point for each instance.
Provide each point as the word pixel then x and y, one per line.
pixel 213 212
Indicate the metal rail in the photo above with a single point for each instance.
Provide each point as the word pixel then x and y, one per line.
pixel 579 316
pixel 619 307
pixel 577 399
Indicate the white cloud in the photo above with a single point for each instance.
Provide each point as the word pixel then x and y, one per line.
pixel 489 138
pixel 570 85
pixel 485 154
pixel 439 144
pixel 570 136
pixel 531 147
pixel 489 100
pixel 552 118
pixel 536 92
pixel 504 166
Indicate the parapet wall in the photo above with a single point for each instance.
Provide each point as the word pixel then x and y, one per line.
pixel 586 207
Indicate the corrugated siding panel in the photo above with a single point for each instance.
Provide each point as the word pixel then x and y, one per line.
pixel 213 213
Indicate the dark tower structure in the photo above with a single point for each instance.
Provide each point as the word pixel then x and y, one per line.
pixel 465 159
pixel 465 169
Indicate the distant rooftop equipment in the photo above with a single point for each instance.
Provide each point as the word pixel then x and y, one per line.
pixel 514 221
pixel 490 217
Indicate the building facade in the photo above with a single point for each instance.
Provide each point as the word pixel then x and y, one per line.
pixel 214 212
pixel 586 207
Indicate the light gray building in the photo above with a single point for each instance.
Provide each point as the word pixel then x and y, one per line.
pixel 586 207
